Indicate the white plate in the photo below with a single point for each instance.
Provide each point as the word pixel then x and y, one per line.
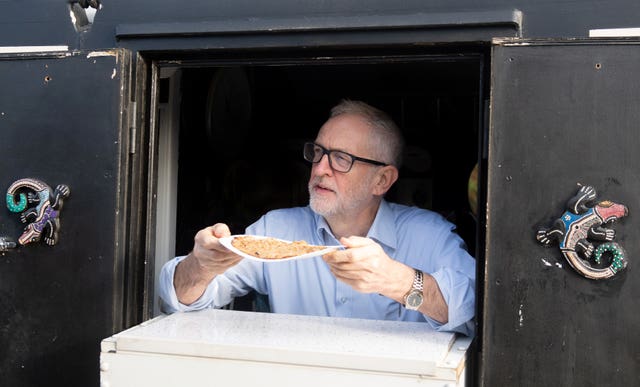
pixel 226 242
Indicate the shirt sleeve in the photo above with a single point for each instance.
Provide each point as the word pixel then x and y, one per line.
pixel 458 292
pixel 235 282
pixel 167 292
pixel 455 271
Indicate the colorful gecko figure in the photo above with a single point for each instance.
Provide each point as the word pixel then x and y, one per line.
pixel 43 219
pixel 584 220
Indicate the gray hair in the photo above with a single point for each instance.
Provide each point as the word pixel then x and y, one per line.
pixel 387 141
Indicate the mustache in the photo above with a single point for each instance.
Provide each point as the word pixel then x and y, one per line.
pixel 318 181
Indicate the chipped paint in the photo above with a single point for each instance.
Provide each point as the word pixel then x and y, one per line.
pixel 94 54
pixel 113 74
pixel 520 316
pixel 547 263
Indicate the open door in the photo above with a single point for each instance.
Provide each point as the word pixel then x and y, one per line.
pixel 563 115
pixel 63 124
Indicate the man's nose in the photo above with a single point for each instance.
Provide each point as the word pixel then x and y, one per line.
pixel 323 166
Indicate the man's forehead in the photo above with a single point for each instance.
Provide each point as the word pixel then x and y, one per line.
pixel 345 130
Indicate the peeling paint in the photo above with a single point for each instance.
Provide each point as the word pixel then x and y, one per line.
pixel 113 74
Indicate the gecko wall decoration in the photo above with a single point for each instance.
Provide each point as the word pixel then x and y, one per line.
pixel 40 208
pixel 584 222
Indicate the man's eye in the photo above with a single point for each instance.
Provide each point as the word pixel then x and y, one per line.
pixel 342 158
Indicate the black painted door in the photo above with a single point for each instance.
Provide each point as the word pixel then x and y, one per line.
pixel 61 123
pixel 563 114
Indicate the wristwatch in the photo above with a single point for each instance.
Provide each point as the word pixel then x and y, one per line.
pixel 413 299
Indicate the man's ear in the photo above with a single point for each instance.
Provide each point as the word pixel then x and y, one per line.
pixel 385 178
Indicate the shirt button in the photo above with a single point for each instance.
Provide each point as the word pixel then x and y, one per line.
pixel 344 300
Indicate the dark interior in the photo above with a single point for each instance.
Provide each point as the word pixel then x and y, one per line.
pixel 243 126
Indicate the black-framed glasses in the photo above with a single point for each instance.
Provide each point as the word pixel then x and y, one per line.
pixel 339 161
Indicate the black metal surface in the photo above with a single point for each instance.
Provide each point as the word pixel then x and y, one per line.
pixel 322 31
pixel 510 19
pixel 562 114
pixel 60 120
pixel 50 23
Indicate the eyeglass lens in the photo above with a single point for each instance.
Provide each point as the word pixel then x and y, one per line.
pixel 339 161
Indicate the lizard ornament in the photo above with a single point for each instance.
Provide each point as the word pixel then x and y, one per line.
pixel 39 206
pixel 583 223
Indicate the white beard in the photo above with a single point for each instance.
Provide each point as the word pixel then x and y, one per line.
pixel 343 204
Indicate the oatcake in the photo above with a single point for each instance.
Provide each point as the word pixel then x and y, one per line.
pixel 271 248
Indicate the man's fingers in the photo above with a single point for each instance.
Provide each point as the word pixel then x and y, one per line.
pixel 220 230
pixel 208 237
pixel 338 256
pixel 355 241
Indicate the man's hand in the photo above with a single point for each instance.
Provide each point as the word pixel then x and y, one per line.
pixel 208 259
pixel 368 269
pixel 212 257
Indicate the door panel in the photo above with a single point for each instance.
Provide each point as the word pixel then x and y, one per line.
pixel 61 119
pixel 561 115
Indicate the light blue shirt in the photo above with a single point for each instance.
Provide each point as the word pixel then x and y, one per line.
pixel 418 238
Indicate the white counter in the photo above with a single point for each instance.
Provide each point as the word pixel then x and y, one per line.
pixel 222 347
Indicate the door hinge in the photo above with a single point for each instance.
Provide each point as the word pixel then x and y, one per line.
pixel 132 127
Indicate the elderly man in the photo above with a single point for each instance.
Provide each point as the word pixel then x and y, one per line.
pixel 399 262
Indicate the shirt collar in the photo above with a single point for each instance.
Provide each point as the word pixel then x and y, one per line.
pixel 382 230
pixel 322 227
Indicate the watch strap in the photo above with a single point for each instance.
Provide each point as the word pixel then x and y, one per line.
pixel 417 286
pixel 418 280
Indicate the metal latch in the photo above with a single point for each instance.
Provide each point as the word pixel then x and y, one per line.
pixel 6 244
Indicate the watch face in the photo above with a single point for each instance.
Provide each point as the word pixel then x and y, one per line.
pixel 414 300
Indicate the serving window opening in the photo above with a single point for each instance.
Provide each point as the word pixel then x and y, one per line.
pixel 231 136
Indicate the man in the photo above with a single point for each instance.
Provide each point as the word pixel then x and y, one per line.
pixel 399 262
